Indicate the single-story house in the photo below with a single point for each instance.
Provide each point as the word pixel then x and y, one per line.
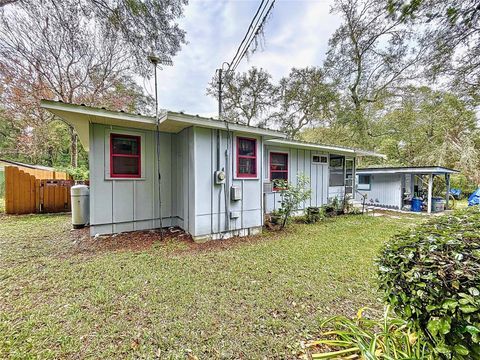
pixel 395 187
pixel 215 176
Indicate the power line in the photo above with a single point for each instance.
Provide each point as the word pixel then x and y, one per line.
pixel 260 22
pixel 250 27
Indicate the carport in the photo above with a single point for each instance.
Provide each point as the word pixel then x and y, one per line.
pixel 396 187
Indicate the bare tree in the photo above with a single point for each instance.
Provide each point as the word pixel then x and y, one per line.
pixel 59 52
pixel 140 26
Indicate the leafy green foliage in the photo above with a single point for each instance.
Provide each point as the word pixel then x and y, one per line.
pixel 460 181
pixel 431 277
pixel 314 214
pixel 292 196
pixel 78 173
pixel 387 338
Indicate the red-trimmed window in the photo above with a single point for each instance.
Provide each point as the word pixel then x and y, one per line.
pixel 278 167
pixel 125 156
pixel 246 157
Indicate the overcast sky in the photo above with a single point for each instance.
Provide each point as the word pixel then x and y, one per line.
pixel 296 36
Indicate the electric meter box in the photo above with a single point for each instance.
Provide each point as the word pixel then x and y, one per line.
pixel 235 193
pixel 219 177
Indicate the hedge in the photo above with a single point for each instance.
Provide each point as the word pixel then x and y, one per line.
pixel 431 277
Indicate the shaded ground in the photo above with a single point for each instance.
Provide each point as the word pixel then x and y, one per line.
pixel 65 295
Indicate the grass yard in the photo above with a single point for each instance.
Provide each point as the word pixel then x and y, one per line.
pixel 254 299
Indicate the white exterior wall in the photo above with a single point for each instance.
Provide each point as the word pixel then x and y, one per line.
pixel 385 190
pixel 299 161
pixel 118 205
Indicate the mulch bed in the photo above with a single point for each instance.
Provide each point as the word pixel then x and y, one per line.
pixel 83 243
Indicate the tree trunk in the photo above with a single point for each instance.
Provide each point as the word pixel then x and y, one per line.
pixel 73 148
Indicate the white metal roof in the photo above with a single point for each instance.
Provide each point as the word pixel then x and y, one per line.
pixel 435 170
pixel 80 116
pixel 327 148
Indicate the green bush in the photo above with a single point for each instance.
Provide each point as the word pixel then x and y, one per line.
pixel 78 173
pixel 292 196
pixel 314 214
pixel 460 181
pixel 431 278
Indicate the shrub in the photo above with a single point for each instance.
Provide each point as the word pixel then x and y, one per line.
pixel 431 278
pixel 292 196
pixel 460 181
pixel 78 173
pixel 314 214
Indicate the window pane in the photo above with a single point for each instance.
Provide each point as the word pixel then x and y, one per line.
pixel 278 161
pixel 247 166
pixel 125 165
pixel 279 175
pixel 125 145
pixel 246 147
pixel 364 179
pixel 337 177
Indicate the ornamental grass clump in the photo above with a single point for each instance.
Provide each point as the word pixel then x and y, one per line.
pixel 431 277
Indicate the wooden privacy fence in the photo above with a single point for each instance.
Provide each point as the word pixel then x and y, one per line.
pixel 25 194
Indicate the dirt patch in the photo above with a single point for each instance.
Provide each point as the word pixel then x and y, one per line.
pixel 83 243
pixel 127 241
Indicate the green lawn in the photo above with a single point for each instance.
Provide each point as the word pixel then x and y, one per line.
pixel 256 299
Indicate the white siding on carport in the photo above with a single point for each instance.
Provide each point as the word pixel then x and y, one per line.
pixel 385 191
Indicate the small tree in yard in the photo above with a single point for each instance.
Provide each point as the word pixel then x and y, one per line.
pixel 292 196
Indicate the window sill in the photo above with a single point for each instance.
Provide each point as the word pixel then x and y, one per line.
pixel 125 178
pixel 245 178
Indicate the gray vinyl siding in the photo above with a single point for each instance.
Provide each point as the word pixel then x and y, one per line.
pixel 210 214
pixel 299 162
pixel 118 205
pixel 385 190
pixel 190 198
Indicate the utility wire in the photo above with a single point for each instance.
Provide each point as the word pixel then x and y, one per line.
pixel 260 22
pixel 250 27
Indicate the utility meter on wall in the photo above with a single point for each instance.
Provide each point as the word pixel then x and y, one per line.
pixel 219 177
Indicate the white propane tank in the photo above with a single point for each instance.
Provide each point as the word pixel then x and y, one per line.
pixel 80 206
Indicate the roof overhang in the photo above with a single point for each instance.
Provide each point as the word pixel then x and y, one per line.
pixel 420 170
pixel 322 148
pixel 80 117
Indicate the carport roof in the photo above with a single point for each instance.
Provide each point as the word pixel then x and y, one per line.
pixel 435 170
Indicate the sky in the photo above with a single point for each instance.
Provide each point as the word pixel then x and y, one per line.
pixel 296 35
